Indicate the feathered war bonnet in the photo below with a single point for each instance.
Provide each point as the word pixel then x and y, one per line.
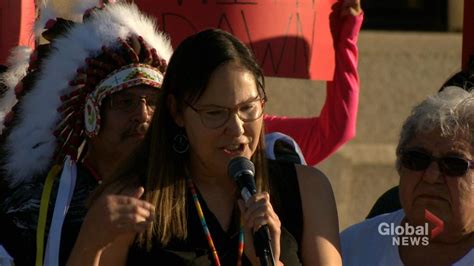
pixel 77 65
pixel 110 48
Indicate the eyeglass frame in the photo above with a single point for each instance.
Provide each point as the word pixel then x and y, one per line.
pixel 230 111
pixel 470 163
pixel 153 95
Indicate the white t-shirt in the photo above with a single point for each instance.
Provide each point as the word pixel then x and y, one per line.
pixel 363 245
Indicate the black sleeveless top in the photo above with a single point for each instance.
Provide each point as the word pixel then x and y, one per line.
pixel 286 201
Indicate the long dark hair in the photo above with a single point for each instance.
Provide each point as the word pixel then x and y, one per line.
pixel 161 169
pixel 187 76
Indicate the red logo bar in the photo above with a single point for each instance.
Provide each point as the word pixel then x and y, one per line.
pixel 439 224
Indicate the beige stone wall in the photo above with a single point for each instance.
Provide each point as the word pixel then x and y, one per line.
pixel 455 15
pixel 397 70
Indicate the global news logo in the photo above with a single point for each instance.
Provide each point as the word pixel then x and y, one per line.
pixel 409 235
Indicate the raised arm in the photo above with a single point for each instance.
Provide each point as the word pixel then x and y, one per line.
pixel 320 243
pixel 320 136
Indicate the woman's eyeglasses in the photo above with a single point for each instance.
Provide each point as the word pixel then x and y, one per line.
pixel 449 165
pixel 215 117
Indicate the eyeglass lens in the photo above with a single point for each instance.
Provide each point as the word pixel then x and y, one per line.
pixel 419 161
pixel 217 116
pixel 130 102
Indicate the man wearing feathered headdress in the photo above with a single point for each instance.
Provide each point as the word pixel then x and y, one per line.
pixel 82 106
pixel 85 104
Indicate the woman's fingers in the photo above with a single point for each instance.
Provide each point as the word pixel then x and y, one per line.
pixel 258 211
pixel 258 206
pixel 262 197
pixel 259 214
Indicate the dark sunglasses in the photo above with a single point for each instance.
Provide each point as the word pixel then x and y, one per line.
pixel 449 165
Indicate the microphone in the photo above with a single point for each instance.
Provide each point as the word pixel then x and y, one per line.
pixel 242 171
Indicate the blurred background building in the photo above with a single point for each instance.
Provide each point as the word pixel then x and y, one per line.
pixel 408 48
pixel 431 15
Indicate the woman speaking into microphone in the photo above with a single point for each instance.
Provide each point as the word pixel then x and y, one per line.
pixel 174 203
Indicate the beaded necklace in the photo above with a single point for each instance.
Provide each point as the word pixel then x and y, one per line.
pixel 240 247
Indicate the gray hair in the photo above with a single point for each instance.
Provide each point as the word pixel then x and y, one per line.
pixel 451 111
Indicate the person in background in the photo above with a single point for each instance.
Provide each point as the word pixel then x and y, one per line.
pixel 319 137
pixel 434 161
pixel 390 200
pixel 83 107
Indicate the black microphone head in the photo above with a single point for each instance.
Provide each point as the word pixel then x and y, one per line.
pixel 240 165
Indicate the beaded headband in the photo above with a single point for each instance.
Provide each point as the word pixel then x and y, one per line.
pixel 77 69
pixel 125 77
pixel 47 124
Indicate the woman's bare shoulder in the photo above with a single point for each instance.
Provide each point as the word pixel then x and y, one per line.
pixel 312 179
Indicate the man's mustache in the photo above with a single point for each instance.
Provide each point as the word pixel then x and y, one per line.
pixel 140 129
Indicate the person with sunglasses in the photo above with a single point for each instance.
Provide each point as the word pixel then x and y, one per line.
pixel 390 201
pixel 210 111
pixel 435 162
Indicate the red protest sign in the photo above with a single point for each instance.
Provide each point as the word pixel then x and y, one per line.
pixel 290 38
pixel 16 22
pixel 468 33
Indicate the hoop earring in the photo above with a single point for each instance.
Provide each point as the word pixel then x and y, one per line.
pixel 180 143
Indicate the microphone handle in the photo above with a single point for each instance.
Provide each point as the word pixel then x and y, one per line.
pixel 261 239
pixel 263 246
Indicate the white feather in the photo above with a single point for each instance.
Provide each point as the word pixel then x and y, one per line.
pixel 67 9
pixel 31 144
pixel 17 64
